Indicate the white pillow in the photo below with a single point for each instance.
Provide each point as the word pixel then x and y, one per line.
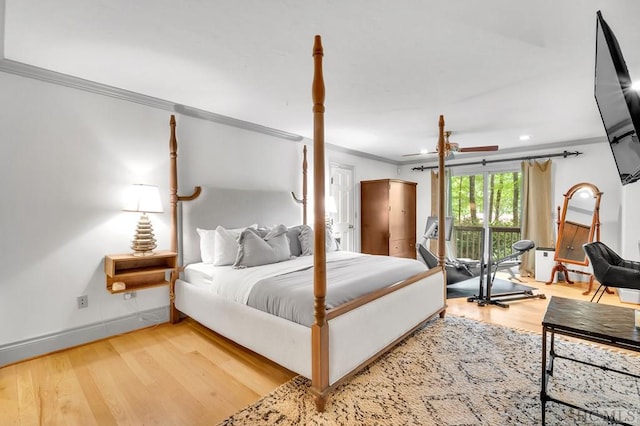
pixel 256 249
pixel 207 244
pixel 226 245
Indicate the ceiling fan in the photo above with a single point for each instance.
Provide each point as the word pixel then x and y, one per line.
pixel 451 147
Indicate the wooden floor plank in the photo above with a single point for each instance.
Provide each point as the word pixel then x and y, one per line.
pixel 82 359
pixel 10 403
pixel 200 391
pixel 29 413
pixel 71 398
pixel 255 371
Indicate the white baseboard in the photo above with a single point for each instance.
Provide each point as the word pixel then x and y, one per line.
pixel 37 346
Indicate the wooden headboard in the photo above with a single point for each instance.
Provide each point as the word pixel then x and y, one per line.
pixel 231 208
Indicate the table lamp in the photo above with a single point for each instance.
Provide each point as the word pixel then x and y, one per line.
pixel 143 199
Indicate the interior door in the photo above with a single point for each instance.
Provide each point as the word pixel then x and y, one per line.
pixel 341 189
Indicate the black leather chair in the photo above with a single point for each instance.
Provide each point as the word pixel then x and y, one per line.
pixel 610 269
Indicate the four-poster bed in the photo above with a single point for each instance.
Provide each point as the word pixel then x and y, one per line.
pixel 343 336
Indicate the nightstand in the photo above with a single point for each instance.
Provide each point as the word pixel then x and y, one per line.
pixel 138 272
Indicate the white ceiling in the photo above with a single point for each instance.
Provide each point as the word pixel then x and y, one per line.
pixel 495 68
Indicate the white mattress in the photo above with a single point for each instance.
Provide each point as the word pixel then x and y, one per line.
pixel 200 274
pixel 235 284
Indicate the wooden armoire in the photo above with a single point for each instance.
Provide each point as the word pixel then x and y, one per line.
pixel 388 217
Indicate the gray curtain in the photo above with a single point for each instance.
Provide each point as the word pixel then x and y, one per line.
pixel 537 215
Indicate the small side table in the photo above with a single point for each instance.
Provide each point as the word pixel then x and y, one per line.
pixel 138 272
pixel 603 324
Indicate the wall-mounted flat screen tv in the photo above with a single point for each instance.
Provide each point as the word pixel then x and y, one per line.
pixel 618 103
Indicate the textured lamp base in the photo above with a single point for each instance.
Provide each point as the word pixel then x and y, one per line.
pixel 142 253
pixel 143 241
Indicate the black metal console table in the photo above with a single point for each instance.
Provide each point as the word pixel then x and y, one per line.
pixel 604 324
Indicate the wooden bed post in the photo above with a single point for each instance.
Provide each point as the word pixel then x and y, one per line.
pixel 174 315
pixel 173 202
pixel 173 183
pixel 304 185
pixel 442 153
pixel 320 328
pixel 441 194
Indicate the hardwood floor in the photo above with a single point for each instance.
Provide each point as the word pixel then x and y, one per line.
pixel 527 314
pixel 183 374
pixel 167 375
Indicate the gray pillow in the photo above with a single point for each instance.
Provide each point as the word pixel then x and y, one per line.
pixel 306 241
pixel 226 245
pixel 255 250
pixel 294 242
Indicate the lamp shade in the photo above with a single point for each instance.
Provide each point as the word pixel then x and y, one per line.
pixel 143 198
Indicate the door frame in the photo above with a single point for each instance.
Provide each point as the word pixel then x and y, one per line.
pixel 352 200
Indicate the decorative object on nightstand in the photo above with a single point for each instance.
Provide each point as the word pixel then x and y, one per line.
pixel 143 199
pixel 128 272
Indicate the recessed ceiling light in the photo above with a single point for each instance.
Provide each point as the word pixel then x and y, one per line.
pixel 636 85
pixel 424 151
pixel 525 137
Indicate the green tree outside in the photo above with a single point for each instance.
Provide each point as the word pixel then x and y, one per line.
pixel 468 198
pixel 467 204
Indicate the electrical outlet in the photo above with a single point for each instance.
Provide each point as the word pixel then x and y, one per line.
pixel 129 295
pixel 83 301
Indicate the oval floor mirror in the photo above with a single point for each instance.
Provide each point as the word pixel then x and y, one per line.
pixel 578 224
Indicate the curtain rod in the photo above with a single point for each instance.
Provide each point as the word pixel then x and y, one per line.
pixel 484 162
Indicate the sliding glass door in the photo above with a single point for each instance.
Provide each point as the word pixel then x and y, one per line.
pixel 481 201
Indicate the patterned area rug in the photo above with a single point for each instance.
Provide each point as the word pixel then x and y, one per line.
pixel 457 371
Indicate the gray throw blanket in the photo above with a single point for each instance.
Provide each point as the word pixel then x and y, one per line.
pixel 290 295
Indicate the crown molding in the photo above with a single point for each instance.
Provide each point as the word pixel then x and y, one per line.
pixel 42 74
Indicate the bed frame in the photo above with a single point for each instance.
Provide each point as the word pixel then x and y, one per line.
pixel 331 349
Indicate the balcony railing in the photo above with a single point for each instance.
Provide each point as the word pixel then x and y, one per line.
pixel 468 241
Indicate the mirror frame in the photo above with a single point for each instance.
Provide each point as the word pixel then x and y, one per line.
pixel 594 227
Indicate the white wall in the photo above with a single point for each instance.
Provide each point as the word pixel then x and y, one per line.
pixel 68 156
pixel 630 207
